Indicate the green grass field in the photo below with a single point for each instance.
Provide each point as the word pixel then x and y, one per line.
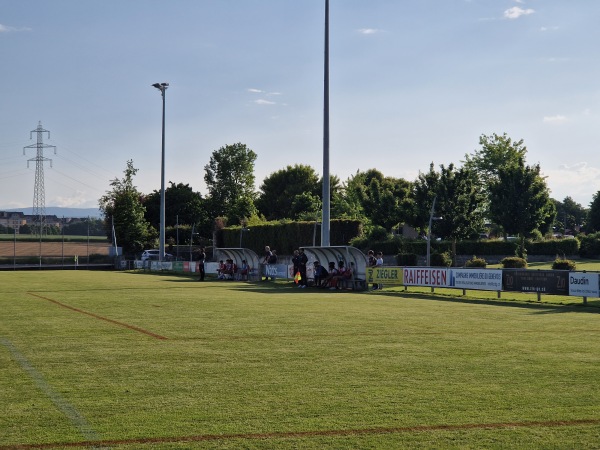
pixel 140 361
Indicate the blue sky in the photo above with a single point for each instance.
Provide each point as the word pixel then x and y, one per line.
pixel 412 82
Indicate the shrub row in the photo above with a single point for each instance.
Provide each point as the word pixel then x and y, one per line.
pixel 285 237
pixel 397 245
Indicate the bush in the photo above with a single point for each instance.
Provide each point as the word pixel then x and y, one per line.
pixel 441 259
pixel 407 259
pixel 590 246
pixel 514 262
pixel 553 247
pixel 563 264
pixel 378 233
pixel 476 262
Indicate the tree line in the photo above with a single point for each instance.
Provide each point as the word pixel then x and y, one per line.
pixel 494 191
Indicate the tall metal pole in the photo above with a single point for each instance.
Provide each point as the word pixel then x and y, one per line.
pixel 192 241
pixel 88 242
pixel 429 232
pixel 326 181
pixel 162 87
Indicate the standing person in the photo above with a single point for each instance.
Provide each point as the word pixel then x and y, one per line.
pixel 268 254
pixel 201 259
pixel 266 259
pixel 296 262
pixel 379 263
pixel 372 262
pixel 302 260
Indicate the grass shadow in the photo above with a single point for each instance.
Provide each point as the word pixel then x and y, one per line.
pixel 536 307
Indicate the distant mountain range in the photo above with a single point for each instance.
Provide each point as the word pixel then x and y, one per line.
pixel 63 212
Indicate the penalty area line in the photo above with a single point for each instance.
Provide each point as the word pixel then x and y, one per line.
pixel 99 317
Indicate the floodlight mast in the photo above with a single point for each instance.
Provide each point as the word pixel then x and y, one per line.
pixel 162 87
pixel 325 227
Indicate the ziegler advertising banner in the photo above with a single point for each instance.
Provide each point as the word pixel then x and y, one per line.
pixel 546 282
pixel 479 279
pixel 390 275
pixel 426 276
pixel 584 284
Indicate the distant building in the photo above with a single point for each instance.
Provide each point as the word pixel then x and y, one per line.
pixel 12 219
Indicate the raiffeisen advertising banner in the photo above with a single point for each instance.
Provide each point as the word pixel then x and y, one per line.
pixel 426 276
pixel 479 279
pixel 584 284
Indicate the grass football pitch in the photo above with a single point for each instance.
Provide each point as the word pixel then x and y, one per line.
pixel 139 361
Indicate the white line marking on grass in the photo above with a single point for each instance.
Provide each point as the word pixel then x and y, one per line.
pixel 64 406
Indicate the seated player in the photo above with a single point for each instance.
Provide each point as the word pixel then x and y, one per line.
pixel 242 272
pixel 320 274
pixel 331 281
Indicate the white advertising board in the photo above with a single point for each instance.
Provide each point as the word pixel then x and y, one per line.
pixel 584 284
pixel 426 276
pixel 479 279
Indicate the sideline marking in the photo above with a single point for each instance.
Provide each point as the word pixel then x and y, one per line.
pixel 96 316
pixel 307 434
pixel 63 406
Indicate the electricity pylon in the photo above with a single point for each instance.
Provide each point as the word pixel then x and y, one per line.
pixel 39 195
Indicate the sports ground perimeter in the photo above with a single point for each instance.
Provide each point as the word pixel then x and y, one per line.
pixel 129 360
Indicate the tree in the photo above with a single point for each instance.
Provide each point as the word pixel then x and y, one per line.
pixel 570 216
pixel 384 201
pixel 183 206
pixel 122 207
pixel 229 177
pixel 81 227
pixel 593 219
pixel 306 206
pixel 496 152
pixel 520 201
pixel 459 201
pixel 424 191
pixel 280 191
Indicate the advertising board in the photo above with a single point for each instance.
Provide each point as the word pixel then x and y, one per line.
pixel 389 275
pixel 542 281
pixel 584 284
pixel 479 279
pixel 425 276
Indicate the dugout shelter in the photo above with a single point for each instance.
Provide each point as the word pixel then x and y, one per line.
pixel 341 253
pixel 238 255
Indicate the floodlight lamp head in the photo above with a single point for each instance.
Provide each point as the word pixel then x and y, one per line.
pixel 156 85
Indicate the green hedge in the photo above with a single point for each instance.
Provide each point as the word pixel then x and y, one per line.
pixel 397 245
pixel 407 259
pixel 590 246
pixel 285 237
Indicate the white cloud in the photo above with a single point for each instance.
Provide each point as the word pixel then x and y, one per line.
pixel 556 120
pixel 367 31
pixel 549 28
pixel 255 91
pixel 554 59
pixel 78 200
pixel 7 29
pixel 262 101
pixel 515 12
pixel 576 180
